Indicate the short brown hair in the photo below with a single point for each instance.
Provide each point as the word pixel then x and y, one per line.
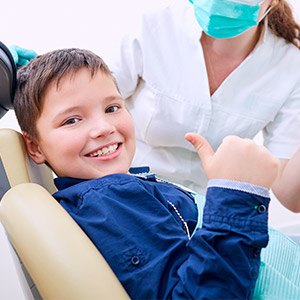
pixel 34 78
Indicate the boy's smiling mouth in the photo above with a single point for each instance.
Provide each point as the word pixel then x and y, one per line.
pixel 107 150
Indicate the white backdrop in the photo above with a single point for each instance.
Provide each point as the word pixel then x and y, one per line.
pixel 46 25
pixel 91 24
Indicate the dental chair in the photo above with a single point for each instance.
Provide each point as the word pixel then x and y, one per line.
pixel 57 255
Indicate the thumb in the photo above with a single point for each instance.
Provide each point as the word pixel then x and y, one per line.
pixel 202 146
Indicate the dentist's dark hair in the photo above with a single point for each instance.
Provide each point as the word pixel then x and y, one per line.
pixel 50 68
pixel 282 22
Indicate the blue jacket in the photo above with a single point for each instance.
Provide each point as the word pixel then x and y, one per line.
pixel 138 226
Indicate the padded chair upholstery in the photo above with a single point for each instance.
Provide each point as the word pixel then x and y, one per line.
pixel 60 258
pixel 17 165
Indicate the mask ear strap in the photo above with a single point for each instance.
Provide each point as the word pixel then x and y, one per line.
pixel 265 14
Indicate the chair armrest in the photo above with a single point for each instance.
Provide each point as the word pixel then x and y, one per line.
pixel 60 258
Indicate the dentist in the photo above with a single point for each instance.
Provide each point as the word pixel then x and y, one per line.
pixel 219 68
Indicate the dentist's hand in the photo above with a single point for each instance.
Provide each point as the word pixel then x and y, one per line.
pixel 21 56
pixel 236 159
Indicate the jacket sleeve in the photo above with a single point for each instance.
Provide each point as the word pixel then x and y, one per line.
pixel 224 255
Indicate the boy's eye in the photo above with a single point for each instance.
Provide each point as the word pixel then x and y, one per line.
pixel 112 109
pixel 71 121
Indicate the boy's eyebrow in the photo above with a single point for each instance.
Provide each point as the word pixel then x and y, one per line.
pixel 114 97
pixel 67 111
pixel 77 107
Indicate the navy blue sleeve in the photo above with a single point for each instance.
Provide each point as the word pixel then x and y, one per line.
pixel 224 255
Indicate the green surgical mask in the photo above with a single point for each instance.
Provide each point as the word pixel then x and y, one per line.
pixel 226 18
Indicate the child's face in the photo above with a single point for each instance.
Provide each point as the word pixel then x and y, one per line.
pixel 84 130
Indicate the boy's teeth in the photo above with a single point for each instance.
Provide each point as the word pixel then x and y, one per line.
pixel 105 150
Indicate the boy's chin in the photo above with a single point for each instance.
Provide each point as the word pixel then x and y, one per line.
pixel 110 172
pixel 95 174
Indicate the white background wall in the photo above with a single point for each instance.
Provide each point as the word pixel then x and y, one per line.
pixel 92 24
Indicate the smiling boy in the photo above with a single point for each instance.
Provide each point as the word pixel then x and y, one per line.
pixel 74 119
pixel 78 116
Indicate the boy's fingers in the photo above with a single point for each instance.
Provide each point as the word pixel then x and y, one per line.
pixel 202 146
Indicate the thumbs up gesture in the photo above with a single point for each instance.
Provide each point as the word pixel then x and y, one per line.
pixel 236 159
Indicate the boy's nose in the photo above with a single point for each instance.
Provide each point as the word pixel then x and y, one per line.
pixel 101 128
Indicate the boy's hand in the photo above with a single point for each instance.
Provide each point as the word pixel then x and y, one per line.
pixel 236 159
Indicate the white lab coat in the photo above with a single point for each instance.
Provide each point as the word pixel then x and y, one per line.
pixel 161 70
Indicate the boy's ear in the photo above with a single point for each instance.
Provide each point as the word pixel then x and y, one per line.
pixel 33 148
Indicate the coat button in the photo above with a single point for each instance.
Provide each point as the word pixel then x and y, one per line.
pixel 135 260
pixel 261 209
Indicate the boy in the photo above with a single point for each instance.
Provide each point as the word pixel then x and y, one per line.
pixel 74 119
